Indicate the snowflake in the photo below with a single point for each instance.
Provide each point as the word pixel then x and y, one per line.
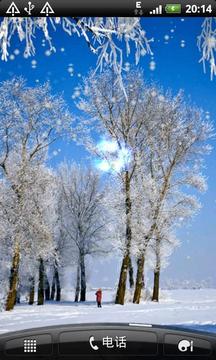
pixel 16 52
pixel 47 52
pixel 70 70
pixel 152 65
pixel 34 64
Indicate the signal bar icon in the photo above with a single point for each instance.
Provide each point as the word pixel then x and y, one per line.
pixel 157 11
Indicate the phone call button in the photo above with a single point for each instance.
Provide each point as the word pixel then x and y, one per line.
pixel 108 342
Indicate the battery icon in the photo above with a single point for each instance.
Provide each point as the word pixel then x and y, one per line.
pixel 173 8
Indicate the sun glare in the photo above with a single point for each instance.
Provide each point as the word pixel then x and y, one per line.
pixel 113 158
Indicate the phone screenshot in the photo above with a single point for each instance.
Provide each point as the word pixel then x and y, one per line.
pixel 107 180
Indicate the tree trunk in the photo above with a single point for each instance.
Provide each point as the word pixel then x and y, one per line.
pixel 18 295
pixel 47 287
pixel 11 297
pixel 141 260
pixel 120 295
pixel 77 291
pixel 122 281
pixel 143 279
pixel 53 289
pixel 155 296
pixel 131 274
pixel 58 286
pixel 31 291
pixel 139 279
pixel 83 278
pixel 41 283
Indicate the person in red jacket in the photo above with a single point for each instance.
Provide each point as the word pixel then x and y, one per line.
pixel 99 297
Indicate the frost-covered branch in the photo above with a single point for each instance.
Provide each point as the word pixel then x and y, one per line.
pixel 102 36
pixel 207 44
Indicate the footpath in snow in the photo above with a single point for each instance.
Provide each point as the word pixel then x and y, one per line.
pixel 187 307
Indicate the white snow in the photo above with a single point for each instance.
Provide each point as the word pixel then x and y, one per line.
pixel 185 307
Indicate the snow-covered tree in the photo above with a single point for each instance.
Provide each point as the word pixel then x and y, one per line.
pixel 64 254
pixel 83 215
pixel 177 137
pixel 42 212
pixel 119 121
pixel 57 264
pixel 176 211
pixel 36 221
pixel 177 208
pixel 153 143
pixel 30 120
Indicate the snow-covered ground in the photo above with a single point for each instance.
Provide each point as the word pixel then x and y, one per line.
pixel 187 307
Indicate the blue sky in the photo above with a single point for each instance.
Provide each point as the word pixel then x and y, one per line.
pixel 174 65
